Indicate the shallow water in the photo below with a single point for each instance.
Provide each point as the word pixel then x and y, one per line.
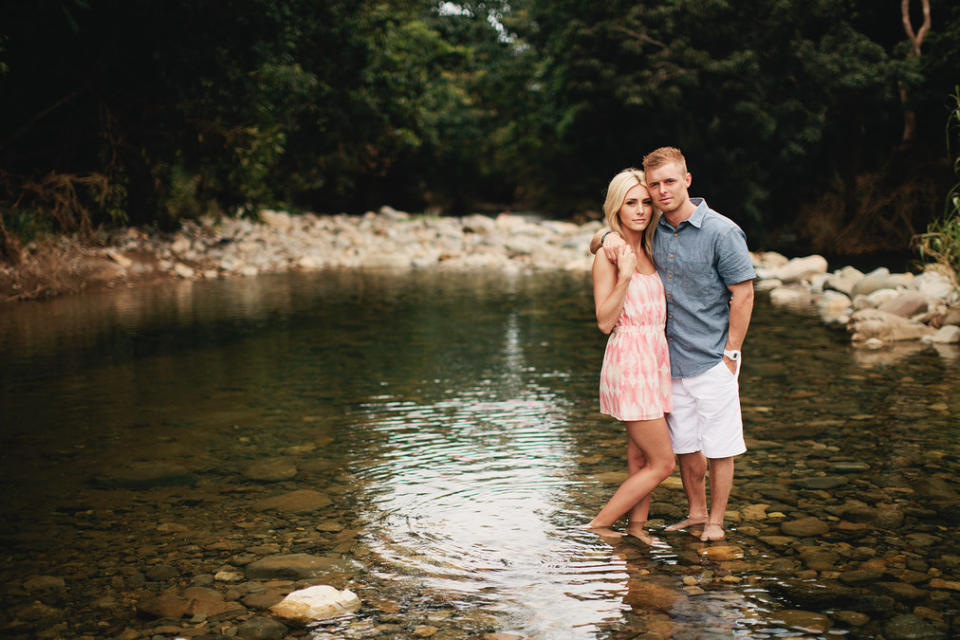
pixel 451 420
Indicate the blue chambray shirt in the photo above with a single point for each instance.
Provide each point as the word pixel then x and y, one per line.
pixel 696 261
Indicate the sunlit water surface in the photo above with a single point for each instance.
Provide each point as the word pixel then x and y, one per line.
pixel 452 420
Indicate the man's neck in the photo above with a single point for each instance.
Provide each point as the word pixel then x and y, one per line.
pixel 682 213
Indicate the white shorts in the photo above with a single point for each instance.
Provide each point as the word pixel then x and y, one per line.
pixel 706 414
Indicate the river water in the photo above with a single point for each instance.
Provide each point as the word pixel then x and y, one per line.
pixel 437 439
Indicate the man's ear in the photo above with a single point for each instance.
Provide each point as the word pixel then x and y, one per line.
pixel 689 178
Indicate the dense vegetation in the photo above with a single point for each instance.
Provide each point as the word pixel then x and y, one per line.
pixel 817 124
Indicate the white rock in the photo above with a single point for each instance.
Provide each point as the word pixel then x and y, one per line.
pixel 316 603
pixel 392 214
pixel 791 296
pixel 120 259
pixel 881 296
pixel 278 220
pixel 947 334
pixel 768 259
pixel 768 285
pixel 180 244
pixel 843 280
pixel 933 285
pixel 888 327
pixel 183 270
pixel 800 269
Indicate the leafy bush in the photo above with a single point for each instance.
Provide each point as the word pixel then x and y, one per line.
pixel 941 242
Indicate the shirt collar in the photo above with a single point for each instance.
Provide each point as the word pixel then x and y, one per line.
pixel 696 218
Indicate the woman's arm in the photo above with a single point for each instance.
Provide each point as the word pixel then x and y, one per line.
pixel 610 282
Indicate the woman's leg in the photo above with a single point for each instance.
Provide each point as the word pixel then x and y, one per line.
pixel 653 439
pixel 635 462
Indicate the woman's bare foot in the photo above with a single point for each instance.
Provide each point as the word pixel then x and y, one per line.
pixel 686 523
pixel 712 532
pixel 603 532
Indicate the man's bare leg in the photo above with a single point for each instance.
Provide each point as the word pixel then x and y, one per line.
pixel 693 471
pixel 721 482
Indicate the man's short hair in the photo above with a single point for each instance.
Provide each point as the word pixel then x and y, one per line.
pixel 662 156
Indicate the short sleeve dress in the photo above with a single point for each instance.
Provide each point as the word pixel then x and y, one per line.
pixel 635 377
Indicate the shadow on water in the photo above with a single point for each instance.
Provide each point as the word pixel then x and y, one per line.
pixel 432 441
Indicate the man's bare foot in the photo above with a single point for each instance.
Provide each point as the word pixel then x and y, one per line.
pixel 712 532
pixel 686 523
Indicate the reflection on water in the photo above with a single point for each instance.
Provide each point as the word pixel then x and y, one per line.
pixel 451 423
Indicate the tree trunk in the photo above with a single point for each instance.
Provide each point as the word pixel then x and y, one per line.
pixel 916 40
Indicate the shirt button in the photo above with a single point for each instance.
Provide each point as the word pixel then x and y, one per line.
pixel 669 275
pixel 670 339
pixel 670 316
pixel 671 256
pixel 669 296
pixel 676 235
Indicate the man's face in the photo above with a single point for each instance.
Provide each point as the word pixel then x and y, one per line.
pixel 668 186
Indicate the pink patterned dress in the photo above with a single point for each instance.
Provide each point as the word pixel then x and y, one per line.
pixel 635 377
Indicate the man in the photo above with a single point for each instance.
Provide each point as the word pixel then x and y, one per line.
pixel 707 274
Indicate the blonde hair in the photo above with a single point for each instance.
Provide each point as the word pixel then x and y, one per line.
pixel 616 194
pixel 662 156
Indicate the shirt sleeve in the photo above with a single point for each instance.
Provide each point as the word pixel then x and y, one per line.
pixel 734 264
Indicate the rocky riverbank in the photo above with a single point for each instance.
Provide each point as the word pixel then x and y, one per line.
pixel 877 307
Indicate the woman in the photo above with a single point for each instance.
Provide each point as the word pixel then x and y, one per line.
pixel 635 377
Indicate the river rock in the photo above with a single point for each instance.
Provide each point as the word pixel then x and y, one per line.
pixel 876 279
pixel 947 334
pixel 649 596
pixel 902 591
pixel 144 475
pixel 754 512
pixel 169 604
pixel 293 566
pixel 851 618
pixel 805 527
pixel 884 516
pixel 316 603
pixel 863 575
pixel 842 280
pixel 807 620
pixel 821 482
pixel 44 583
pixel 906 305
pixel 935 285
pixel 800 269
pixel 833 305
pixel 911 627
pixel 767 285
pixel 873 323
pixel 206 602
pixel 300 501
pixel 260 628
pixel 720 553
pixel 813 595
pixel 790 296
pixel 271 470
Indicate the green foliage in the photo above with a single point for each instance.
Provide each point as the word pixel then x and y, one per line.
pixel 186 107
pixel 941 242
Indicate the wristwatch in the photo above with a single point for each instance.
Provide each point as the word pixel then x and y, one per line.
pixel 733 354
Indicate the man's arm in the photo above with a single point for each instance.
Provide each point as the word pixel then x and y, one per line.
pixel 741 308
pixel 611 242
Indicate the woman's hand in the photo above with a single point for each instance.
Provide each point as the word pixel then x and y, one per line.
pixel 626 261
pixel 612 245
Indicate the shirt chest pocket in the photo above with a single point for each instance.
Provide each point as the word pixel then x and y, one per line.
pixel 699 277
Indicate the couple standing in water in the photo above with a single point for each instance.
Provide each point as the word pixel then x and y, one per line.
pixel 673 286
